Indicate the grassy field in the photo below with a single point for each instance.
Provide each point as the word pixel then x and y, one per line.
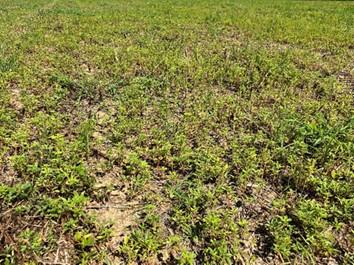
pixel 176 132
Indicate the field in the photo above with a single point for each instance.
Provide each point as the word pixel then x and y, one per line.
pixel 176 132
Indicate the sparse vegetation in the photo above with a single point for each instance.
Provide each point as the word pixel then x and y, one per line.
pixel 176 132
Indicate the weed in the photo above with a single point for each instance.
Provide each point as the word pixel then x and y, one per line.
pixel 224 128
